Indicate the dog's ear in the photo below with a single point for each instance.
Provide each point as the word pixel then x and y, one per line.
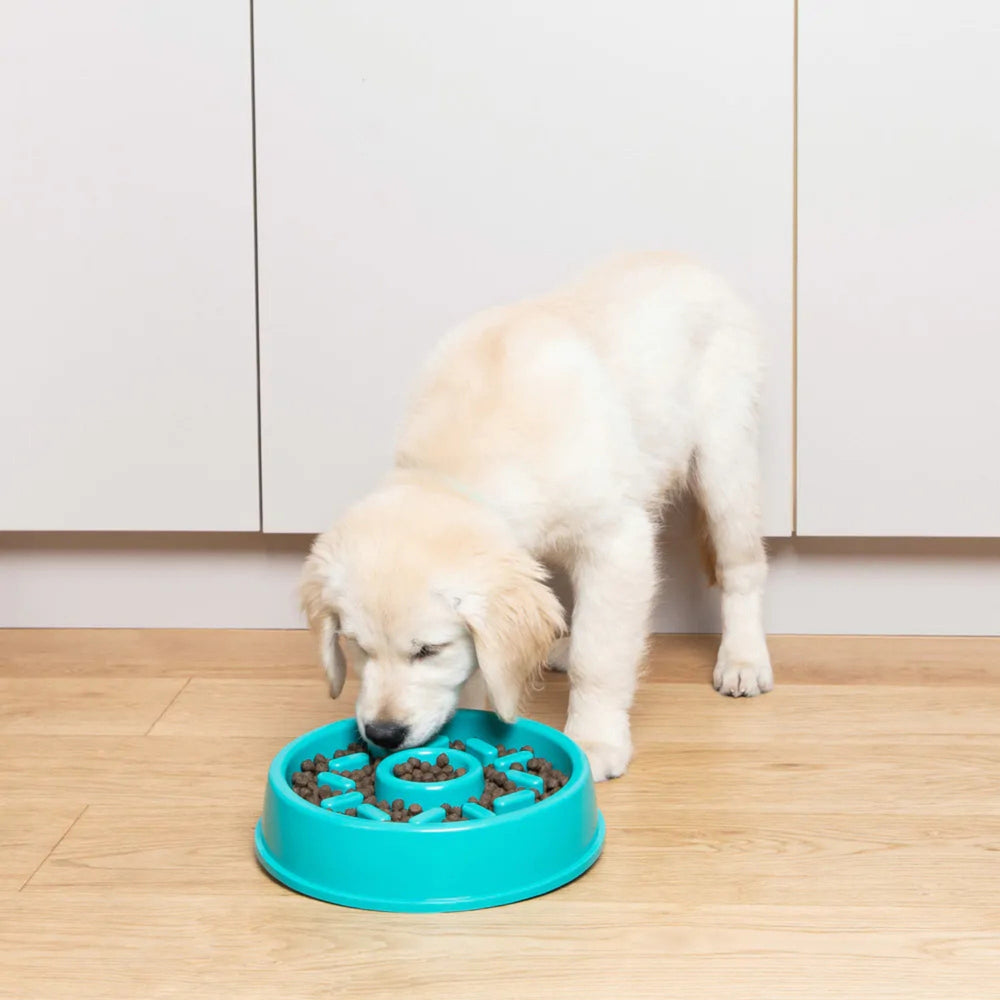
pixel 324 619
pixel 514 618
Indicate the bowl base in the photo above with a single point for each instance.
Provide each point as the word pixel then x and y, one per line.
pixel 514 895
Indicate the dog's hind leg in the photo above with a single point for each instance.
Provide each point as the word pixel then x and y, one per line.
pixel 558 658
pixel 726 485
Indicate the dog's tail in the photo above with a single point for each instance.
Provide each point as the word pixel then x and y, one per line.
pixel 706 546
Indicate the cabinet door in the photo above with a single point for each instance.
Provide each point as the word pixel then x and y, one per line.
pixel 419 161
pixel 128 370
pixel 899 244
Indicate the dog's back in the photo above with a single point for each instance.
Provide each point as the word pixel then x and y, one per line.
pixel 622 365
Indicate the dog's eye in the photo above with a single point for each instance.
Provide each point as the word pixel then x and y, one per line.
pixel 424 652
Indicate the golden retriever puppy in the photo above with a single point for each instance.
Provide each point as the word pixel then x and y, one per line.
pixel 551 430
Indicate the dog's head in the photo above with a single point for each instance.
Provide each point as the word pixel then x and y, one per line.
pixel 419 589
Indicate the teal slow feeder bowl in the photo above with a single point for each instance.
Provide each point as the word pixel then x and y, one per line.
pixel 518 849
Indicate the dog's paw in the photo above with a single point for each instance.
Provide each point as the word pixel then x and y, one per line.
pixel 558 658
pixel 605 740
pixel 743 676
pixel 607 760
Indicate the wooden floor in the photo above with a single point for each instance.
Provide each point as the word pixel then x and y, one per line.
pixel 837 838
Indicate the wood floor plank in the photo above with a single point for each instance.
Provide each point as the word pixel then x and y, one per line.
pixel 156 653
pixel 281 944
pixel 95 705
pixel 115 769
pixel 683 713
pixel 274 653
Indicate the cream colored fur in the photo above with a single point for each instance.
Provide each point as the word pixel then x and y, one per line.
pixel 553 430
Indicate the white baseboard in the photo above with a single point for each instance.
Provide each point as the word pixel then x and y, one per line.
pixel 836 586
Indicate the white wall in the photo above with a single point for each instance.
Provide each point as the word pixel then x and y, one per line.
pixel 880 586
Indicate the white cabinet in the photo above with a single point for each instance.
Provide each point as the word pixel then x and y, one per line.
pixel 899 247
pixel 418 161
pixel 128 367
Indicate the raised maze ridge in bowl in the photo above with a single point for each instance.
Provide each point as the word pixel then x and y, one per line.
pixel 471 761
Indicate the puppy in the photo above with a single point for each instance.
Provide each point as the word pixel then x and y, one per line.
pixel 554 429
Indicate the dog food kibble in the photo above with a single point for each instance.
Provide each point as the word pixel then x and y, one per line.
pixel 415 769
pixel 305 782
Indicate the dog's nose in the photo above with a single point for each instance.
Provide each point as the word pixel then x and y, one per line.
pixel 388 735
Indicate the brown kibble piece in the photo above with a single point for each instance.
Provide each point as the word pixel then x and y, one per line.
pixel 517 767
pixel 415 809
pixel 307 765
pixel 442 759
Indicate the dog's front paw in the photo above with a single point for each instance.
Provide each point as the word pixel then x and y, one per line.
pixel 606 741
pixel 607 760
pixel 742 676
